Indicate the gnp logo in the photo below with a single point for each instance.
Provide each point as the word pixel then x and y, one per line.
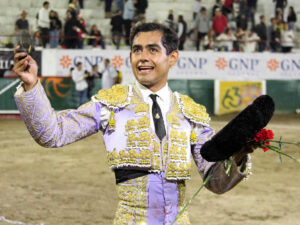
pixel 285 65
pixel 221 63
pixel 273 64
pixel 117 61
pixel 237 64
pixel 65 61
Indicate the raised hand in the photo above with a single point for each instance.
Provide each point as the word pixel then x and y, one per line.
pixel 26 68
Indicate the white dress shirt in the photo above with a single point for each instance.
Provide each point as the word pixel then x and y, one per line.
pixel 163 100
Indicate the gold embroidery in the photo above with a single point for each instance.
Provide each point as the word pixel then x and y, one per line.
pixel 130 126
pixel 112 122
pixel 141 107
pixel 132 206
pixel 143 123
pixel 184 218
pixel 193 137
pixel 195 112
pixel 117 96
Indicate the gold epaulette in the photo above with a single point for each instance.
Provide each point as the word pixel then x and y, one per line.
pixel 115 97
pixel 192 110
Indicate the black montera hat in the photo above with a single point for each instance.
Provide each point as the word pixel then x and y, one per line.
pixel 239 131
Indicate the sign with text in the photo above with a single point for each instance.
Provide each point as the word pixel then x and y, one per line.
pixel 234 96
pixel 190 65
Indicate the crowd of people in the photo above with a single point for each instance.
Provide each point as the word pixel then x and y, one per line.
pixel 228 26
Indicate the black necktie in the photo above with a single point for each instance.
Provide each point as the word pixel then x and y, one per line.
pixel 157 118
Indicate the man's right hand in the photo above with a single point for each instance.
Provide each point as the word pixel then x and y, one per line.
pixel 29 76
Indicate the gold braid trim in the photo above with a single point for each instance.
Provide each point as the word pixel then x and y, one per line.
pixel 115 97
pixel 193 111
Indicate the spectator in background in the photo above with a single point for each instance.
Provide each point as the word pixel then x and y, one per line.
pixel 292 17
pixel 116 28
pixel 225 40
pixel 169 22
pixel 241 22
pixel 76 5
pixel 287 39
pixel 274 36
pixel 196 8
pixel 201 26
pixel 280 4
pixel 251 9
pixel 218 5
pixel 91 79
pixel 80 3
pixel 97 38
pixel 55 28
pixel 81 31
pixel 22 28
pixel 79 76
pixel 181 32
pixel 141 6
pixel 209 40
pixel 227 7
pixel 71 29
pixel 128 15
pixel 108 4
pixel 109 75
pixel 219 22
pixel 250 41
pixel 238 44
pixel 44 23
pixel 261 30
pixel 120 5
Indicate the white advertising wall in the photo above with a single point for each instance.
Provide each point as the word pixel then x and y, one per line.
pixel 191 65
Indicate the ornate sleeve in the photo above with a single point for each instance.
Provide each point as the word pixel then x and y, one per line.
pixel 221 180
pixel 55 129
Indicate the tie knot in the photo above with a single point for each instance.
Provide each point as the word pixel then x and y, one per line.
pixel 153 97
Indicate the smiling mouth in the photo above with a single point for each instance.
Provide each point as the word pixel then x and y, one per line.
pixel 145 68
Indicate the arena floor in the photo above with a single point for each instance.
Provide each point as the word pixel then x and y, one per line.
pixel 73 185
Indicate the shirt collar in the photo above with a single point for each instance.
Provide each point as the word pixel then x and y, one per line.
pixel 163 93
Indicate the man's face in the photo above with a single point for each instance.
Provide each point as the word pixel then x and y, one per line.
pixel 149 60
pixel 79 67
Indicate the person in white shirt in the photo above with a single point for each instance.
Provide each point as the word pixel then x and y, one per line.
pixel 287 39
pixel 81 85
pixel 196 8
pixel 251 41
pixel 44 23
pixel 226 40
pixel 109 75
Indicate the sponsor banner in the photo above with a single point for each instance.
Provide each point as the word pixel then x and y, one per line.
pixel 234 96
pixel 7 62
pixel 190 65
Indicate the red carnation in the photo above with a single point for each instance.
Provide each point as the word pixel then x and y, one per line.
pixel 263 136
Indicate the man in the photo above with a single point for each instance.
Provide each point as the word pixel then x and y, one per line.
pixel 22 28
pixel 181 32
pixel 109 75
pixel 261 30
pixel 79 77
pixel 116 28
pixel 128 15
pixel 201 26
pixel 150 133
pixel 91 79
pixel 44 23
pixel 219 22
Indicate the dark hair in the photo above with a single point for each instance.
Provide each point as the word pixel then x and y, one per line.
pixel 45 3
pixel 78 63
pixel 169 38
pixel 107 60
